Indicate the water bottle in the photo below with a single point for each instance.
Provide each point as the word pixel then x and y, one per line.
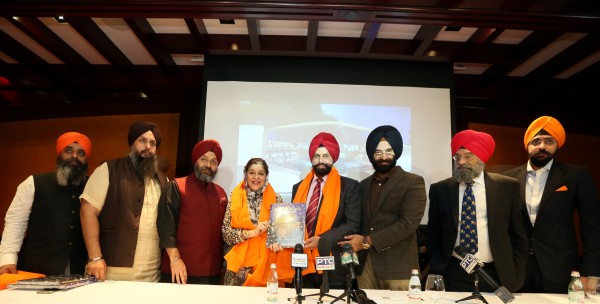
pixel 272 284
pixel 414 286
pixel 576 293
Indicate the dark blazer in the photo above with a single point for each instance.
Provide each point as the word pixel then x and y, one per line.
pixel 507 237
pixel 553 239
pixel 393 224
pixel 346 222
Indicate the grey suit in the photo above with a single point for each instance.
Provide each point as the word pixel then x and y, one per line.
pixel 507 237
pixel 393 224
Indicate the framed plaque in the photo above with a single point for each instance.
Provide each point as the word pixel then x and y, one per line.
pixel 286 225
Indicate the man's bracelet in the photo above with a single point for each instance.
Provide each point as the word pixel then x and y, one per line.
pixel 175 259
pixel 98 258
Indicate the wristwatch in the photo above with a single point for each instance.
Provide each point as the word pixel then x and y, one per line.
pixel 365 245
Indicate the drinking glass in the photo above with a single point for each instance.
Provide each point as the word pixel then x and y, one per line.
pixel 592 288
pixel 434 287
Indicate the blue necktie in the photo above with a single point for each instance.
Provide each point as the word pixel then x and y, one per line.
pixel 468 222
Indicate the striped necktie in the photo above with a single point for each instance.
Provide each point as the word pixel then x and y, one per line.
pixel 311 211
pixel 468 222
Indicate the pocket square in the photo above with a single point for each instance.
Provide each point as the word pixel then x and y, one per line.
pixel 563 188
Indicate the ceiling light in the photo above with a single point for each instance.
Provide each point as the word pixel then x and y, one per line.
pixel 60 19
pixel 234 47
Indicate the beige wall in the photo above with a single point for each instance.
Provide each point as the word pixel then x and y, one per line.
pixel 29 147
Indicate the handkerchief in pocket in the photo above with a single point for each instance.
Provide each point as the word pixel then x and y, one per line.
pixel 562 188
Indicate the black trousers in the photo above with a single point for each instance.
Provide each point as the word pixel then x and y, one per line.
pixel 534 281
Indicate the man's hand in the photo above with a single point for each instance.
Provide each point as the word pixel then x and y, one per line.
pixel 178 271
pixel 97 269
pixel 355 240
pixel 8 268
pixel 312 242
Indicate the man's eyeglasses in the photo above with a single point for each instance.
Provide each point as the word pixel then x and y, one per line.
pixel 386 152
pixel 538 141
pixel 213 162
pixel 458 157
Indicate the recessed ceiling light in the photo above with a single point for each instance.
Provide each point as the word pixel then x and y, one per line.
pixel 60 19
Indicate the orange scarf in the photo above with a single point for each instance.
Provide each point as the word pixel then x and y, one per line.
pixel 254 252
pixel 327 210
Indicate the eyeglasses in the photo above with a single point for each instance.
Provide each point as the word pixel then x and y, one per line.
pixel 538 141
pixel 458 157
pixel 213 162
pixel 386 152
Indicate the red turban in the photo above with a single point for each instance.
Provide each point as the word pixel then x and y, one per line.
pixel 207 145
pixel 479 143
pixel 548 123
pixel 71 137
pixel 326 140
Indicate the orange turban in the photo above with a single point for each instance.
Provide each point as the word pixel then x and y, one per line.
pixel 548 123
pixel 479 143
pixel 326 140
pixel 71 137
pixel 207 145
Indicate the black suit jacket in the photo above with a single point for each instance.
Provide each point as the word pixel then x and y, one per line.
pixel 346 222
pixel 553 239
pixel 507 237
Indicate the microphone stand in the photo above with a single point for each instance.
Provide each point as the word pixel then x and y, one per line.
pixel 476 294
pixel 323 290
pixel 348 290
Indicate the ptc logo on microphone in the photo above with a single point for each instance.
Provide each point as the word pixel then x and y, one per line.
pixel 468 263
pixel 325 263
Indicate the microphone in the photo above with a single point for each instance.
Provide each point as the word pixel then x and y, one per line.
pixel 324 262
pixel 299 261
pixel 469 263
pixel 349 259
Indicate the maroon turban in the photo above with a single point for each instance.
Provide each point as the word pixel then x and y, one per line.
pixel 325 140
pixel 207 145
pixel 479 143
pixel 140 127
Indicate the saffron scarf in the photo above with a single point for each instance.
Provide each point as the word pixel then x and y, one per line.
pixel 327 210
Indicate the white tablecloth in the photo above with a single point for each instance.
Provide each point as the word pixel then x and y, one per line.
pixel 110 292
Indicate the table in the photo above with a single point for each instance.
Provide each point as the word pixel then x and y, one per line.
pixel 110 292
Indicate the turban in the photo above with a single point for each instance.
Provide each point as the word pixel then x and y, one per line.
pixel 71 137
pixel 550 125
pixel 479 143
pixel 207 145
pixel 326 140
pixel 391 134
pixel 140 127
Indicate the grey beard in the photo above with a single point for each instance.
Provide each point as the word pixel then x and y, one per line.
pixel 68 175
pixel 468 175
pixel 145 167
pixel 203 177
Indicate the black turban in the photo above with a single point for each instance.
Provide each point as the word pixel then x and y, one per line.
pixel 140 127
pixel 391 134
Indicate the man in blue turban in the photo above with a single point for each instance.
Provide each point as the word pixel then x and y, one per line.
pixel 393 203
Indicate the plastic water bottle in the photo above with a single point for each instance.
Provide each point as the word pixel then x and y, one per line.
pixel 576 293
pixel 272 284
pixel 414 286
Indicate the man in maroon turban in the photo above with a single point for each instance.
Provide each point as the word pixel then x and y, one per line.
pixel 478 212
pixel 118 210
pixel 553 191
pixel 332 204
pixel 190 215
pixel 46 206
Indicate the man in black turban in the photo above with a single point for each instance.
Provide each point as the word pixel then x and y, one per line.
pixel 393 203
pixel 118 214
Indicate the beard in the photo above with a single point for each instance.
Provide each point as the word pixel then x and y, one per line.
pixel 467 173
pixel 540 158
pixel 322 171
pixel 204 176
pixel 70 172
pixel 146 167
pixel 383 165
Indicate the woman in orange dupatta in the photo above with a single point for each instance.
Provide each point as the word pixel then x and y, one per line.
pixel 245 225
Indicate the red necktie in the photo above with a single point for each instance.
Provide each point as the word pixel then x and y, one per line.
pixel 311 211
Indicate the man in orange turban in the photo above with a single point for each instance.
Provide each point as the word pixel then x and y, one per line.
pixel 333 208
pixel 47 207
pixel 479 212
pixel 553 191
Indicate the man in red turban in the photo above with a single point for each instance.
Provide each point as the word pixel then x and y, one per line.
pixel 553 191
pixel 479 212
pixel 333 208
pixel 190 215
pixel 47 207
